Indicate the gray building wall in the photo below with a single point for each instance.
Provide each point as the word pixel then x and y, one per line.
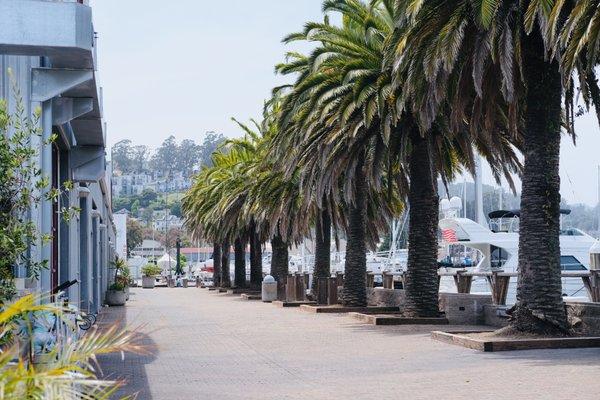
pixel 60 64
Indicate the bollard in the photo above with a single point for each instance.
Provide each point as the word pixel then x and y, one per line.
pixel 322 290
pixel 185 282
pixel 332 291
pixel 269 289
pixel 198 282
pixel 306 281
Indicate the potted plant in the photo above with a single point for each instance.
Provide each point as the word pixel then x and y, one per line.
pixel 117 293
pixel 149 273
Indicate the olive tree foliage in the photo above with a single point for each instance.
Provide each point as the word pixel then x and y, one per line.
pixel 23 185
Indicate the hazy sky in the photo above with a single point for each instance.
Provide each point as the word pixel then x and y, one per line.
pixel 186 67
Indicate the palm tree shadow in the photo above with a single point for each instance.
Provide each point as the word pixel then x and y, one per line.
pixel 128 368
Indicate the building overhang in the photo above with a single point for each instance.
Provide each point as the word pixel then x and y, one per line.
pixel 62 31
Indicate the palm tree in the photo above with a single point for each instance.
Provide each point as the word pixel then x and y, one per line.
pixel 498 64
pixel 333 111
pixel 240 263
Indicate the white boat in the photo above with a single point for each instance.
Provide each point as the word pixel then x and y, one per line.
pixel 497 248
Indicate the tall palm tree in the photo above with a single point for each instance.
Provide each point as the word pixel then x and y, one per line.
pixel 332 109
pixel 498 63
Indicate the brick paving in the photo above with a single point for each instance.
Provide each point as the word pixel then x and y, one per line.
pixel 215 346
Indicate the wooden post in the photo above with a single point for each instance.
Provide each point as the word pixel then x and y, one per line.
pixel 332 291
pixel 306 281
pixel 463 282
pixel 388 280
pixel 322 290
pixel 370 280
pixel 198 282
pixel 592 285
pixel 340 278
pixel 300 287
pixel 499 286
pixel 290 288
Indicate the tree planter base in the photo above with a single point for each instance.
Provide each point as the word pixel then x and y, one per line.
pixel 116 297
pixel 396 319
pixel 338 309
pixel 148 282
pixel 242 291
pixel 461 338
pixel 212 289
pixel 247 296
pixel 289 304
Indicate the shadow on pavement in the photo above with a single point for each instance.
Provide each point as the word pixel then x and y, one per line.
pixel 129 368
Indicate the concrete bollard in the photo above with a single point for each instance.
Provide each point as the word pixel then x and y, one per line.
pixel 269 289
pixel 290 288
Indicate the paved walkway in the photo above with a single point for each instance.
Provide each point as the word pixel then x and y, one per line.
pixel 212 346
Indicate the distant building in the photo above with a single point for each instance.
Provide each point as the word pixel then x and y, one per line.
pixel 120 218
pixel 168 222
pixel 125 185
pixel 149 249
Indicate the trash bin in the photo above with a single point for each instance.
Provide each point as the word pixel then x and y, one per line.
pixel 269 289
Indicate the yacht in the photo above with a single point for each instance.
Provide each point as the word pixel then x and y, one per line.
pixel 496 247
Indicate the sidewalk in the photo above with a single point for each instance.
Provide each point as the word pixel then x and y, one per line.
pixel 223 348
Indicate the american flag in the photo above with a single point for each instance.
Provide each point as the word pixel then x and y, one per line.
pixel 449 235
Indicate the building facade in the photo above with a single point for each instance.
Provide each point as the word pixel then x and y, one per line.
pixel 48 52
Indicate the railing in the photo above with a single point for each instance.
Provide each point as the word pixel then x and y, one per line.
pixel 498 282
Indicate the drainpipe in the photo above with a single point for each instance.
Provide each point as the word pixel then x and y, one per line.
pixel 46 205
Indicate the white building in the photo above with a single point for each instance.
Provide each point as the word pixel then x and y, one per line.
pixel 120 219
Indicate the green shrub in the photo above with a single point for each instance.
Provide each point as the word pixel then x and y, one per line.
pixel 151 270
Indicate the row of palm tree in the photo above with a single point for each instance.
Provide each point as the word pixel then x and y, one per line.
pixel 396 96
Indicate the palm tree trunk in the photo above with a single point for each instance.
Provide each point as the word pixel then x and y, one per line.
pixel 255 260
pixel 240 263
pixel 355 268
pixel 540 307
pixel 225 269
pixel 322 267
pixel 216 265
pixel 421 274
pixel 279 263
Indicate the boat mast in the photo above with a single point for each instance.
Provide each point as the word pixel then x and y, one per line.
pixel 479 216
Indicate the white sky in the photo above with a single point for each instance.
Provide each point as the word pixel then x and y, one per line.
pixel 186 67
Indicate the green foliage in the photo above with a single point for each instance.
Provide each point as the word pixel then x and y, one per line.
pixel 135 234
pixel 22 187
pixel 151 270
pixel 68 370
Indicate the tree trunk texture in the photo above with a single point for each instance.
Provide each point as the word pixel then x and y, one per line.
pixel 225 269
pixel 216 265
pixel 322 268
pixel 355 268
pixel 255 261
pixel 279 262
pixel 240 263
pixel 421 273
pixel 540 307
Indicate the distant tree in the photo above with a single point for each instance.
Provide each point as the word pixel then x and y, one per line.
pixel 189 154
pixel 165 157
pixel 147 197
pixel 135 208
pixel 135 234
pixel 211 142
pixel 176 209
pixel 120 203
pixel 121 155
pixel 139 157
